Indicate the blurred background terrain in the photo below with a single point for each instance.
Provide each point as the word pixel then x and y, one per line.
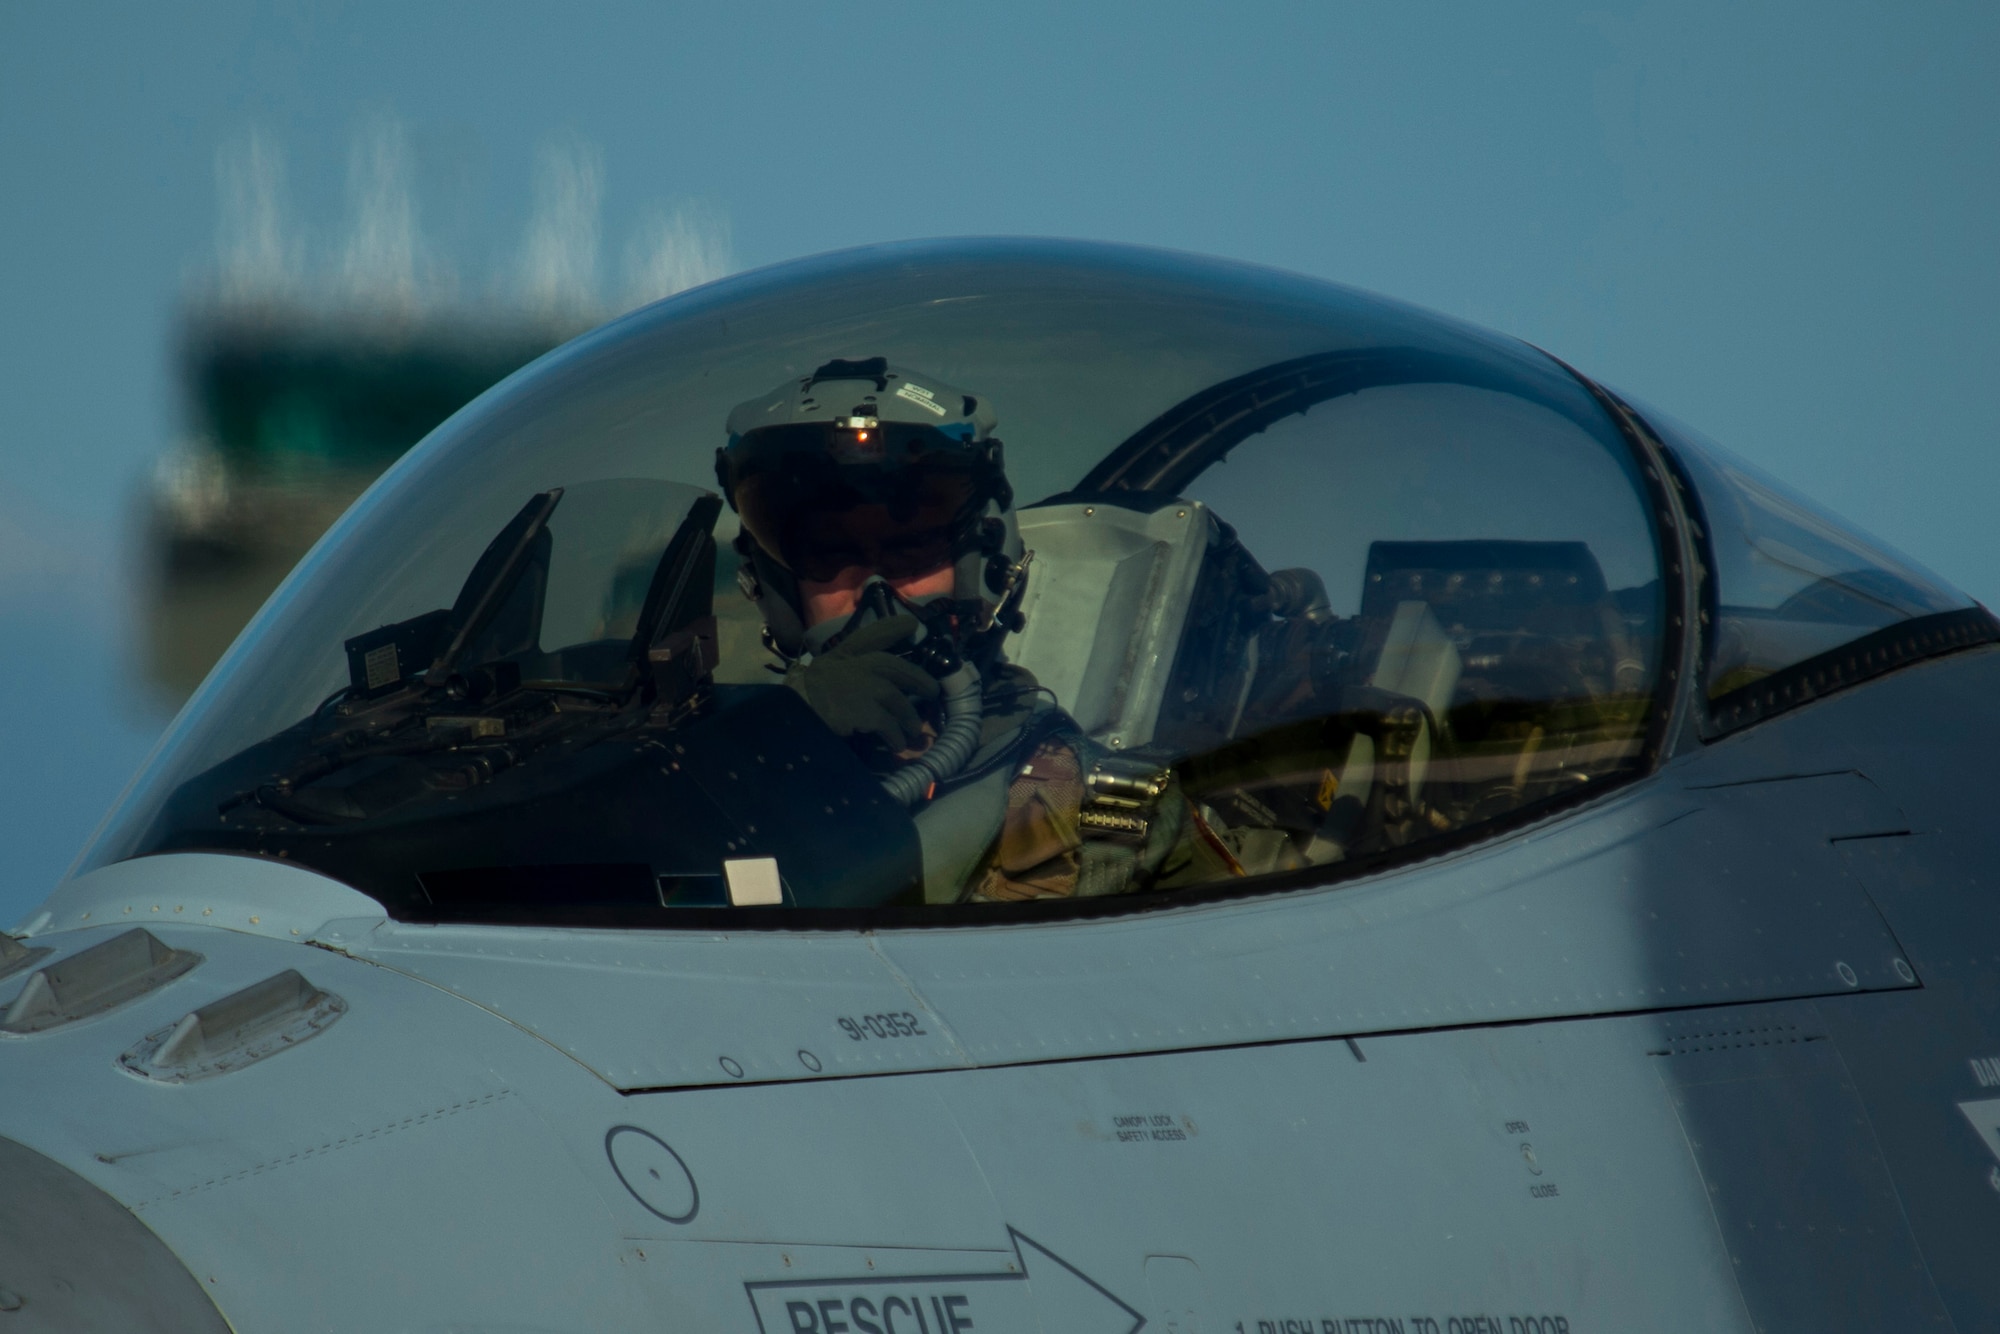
pixel 254 251
pixel 306 365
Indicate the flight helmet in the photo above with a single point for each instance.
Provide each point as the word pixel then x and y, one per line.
pixel 905 452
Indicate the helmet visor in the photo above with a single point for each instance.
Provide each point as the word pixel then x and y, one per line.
pixel 894 499
pixel 828 544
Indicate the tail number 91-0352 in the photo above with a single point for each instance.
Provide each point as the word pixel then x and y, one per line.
pixel 902 1024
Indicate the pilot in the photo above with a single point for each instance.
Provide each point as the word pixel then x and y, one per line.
pixel 878 541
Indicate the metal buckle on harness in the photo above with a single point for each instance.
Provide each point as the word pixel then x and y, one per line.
pixel 1122 794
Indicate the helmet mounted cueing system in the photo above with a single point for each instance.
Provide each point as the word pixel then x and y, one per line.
pixel 863 464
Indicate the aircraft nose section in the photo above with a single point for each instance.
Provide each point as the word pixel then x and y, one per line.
pixel 73 1259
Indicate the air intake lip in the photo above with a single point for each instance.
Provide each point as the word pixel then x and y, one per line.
pixel 240 1029
pixel 91 981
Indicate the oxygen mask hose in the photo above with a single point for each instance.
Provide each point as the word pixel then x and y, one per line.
pixel 964 705
pixel 885 659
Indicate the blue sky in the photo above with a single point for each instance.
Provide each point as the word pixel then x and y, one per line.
pixel 1776 222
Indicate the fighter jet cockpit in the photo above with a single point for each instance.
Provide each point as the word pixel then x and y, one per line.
pixel 996 581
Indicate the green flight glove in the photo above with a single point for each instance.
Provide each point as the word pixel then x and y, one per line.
pixel 858 687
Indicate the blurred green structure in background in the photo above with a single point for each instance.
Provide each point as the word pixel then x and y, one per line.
pixel 290 416
pixel 309 363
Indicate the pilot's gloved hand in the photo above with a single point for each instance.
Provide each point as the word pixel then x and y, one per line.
pixel 859 687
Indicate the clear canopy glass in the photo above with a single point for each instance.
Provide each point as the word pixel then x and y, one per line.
pixel 1792 581
pixel 1306 581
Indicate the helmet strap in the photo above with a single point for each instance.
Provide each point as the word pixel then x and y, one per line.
pixel 776 592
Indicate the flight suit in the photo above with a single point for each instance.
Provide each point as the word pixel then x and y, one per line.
pixel 1074 819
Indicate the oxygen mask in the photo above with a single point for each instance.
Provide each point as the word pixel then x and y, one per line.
pixel 891 671
pixel 930 644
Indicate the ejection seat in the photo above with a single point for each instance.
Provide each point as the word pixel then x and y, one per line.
pixel 1147 621
pixel 1110 589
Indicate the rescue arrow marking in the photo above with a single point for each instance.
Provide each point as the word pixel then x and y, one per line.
pixel 1062 1298
pixel 1984 1115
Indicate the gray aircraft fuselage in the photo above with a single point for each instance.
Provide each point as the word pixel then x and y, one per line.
pixel 1719 1050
